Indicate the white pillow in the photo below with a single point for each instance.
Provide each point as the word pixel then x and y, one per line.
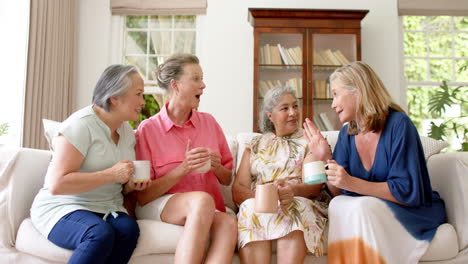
pixel 50 130
pixel 432 146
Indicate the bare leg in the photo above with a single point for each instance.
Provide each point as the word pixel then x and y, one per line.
pixel 291 248
pixel 195 211
pixel 223 239
pixel 256 252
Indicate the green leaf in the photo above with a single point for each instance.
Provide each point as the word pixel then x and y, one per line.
pixel 464 146
pixel 4 128
pixel 442 98
pixel 437 132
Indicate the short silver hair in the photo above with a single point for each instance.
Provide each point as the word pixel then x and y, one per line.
pixel 272 99
pixel 114 81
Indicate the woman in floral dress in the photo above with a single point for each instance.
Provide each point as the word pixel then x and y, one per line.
pixel 277 156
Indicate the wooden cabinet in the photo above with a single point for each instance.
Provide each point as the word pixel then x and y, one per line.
pixel 300 48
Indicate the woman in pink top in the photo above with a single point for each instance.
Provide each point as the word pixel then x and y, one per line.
pixel 179 141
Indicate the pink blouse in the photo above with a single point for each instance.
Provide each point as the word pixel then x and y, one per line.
pixel 163 142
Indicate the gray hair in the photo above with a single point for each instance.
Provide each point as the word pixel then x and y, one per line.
pixel 173 68
pixel 114 81
pixel 272 99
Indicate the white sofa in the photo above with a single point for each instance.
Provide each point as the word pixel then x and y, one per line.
pixel 22 174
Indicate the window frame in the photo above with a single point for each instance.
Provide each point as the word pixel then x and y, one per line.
pixel 151 86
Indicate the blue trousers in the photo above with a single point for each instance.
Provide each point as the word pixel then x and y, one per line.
pixel 95 240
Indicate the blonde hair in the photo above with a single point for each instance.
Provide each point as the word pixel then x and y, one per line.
pixel 374 101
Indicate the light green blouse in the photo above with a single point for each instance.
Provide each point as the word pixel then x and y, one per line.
pixel 92 137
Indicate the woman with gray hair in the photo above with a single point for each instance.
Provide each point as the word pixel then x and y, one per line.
pixel 80 206
pixel 277 157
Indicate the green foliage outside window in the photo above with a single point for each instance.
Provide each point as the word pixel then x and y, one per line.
pixel 436 51
pixel 148 110
pixel 4 128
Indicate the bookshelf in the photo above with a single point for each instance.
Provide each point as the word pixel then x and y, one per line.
pixel 301 48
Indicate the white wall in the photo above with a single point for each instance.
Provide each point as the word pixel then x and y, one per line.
pixel 225 49
pixel 14 25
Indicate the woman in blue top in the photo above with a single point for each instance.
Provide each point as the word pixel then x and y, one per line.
pixel 389 213
pixel 80 206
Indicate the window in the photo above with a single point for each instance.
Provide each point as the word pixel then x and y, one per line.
pixel 436 71
pixel 148 41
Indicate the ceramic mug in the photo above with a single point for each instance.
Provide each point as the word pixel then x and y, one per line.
pixel 142 170
pixel 266 198
pixel 314 173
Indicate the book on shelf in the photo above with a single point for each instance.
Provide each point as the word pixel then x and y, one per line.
pixel 266 52
pixel 294 83
pixel 290 56
pixel 329 57
pixel 326 122
pixel 321 89
pixel 282 52
pixel 298 54
pixel 275 55
pixel 340 57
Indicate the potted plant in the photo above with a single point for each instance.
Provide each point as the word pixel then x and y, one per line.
pixel 444 98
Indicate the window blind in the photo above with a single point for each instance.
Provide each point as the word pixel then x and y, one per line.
pixel 158 7
pixel 433 8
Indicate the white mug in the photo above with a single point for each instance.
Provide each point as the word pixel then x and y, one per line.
pixel 314 173
pixel 142 170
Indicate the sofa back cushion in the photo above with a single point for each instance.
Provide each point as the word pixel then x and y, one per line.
pixel 226 189
pixel 20 180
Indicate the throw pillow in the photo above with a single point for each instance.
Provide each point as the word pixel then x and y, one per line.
pixel 432 146
pixel 50 130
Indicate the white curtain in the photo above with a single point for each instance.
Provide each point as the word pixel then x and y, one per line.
pixel 50 69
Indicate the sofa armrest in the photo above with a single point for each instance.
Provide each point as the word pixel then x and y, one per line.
pixel 20 180
pixel 449 177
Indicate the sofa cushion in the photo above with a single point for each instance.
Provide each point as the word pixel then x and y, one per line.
pixel 444 245
pixel 226 189
pixel 15 196
pixel 454 191
pixel 155 238
pixel 30 241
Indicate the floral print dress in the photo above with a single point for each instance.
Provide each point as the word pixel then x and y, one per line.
pixel 274 158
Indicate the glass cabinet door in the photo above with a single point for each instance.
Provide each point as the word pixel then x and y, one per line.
pixel 330 51
pixel 280 63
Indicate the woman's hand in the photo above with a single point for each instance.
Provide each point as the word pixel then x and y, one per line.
pixel 337 176
pixel 285 193
pixel 215 161
pixel 122 171
pixel 194 158
pixel 318 146
pixel 136 186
